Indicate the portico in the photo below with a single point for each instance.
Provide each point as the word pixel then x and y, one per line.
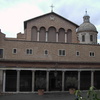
pixel 24 80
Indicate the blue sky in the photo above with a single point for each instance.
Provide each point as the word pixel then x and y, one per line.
pixel 14 12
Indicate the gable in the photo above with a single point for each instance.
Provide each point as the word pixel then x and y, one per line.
pixel 50 19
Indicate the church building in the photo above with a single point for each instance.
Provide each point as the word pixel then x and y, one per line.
pixel 52 48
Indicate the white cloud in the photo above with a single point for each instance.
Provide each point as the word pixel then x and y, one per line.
pixel 12 19
pixel 98 41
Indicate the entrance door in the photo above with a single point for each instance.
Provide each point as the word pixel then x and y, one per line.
pixel 55 81
pixel 85 80
pixel 40 80
pixel 97 79
pixel 11 80
pixel 26 81
pixel 70 77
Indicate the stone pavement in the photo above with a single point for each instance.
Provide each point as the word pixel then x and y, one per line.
pixel 35 96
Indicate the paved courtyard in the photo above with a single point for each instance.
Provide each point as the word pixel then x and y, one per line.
pixel 35 96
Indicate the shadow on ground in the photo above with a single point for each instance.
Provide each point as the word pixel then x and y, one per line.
pixel 35 96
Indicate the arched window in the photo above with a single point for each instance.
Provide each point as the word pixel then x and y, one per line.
pixel 61 35
pixel 45 52
pixel 42 34
pixel 83 38
pixel 34 33
pixel 69 36
pixel 91 37
pixel 52 34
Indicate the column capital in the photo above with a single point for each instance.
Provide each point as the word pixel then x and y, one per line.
pixel 33 70
pixel 63 70
pixel 18 70
pixel 92 70
pixel 79 70
pixel 47 70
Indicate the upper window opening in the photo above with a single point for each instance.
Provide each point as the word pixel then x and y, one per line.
pixel 46 52
pixel 14 51
pixel 1 53
pixel 92 54
pixel 91 37
pixel 83 38
pixel 77 53
pixel 29 51
pixel 62 53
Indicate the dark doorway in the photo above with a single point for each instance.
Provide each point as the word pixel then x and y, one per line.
pixel 25 80
pixel 40 80
pixel 11 80
pixel 85 80
pixel 55 82
pixel 71 75
pixel 97 79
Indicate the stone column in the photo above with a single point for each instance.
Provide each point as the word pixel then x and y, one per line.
pixel 92 78
pixel 79 72
pixel 63 77
pixel 57 37
pixel 1 76
pixel 46 36
pixel 18 80
pixel 4 80
pixel 47 81
pixel 33 80
pixel 65 37
pixel 38 36
pixel 95 38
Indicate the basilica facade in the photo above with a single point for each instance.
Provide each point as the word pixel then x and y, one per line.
pixel 52 48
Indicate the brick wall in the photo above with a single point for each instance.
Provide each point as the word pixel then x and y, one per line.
pixel 53 48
